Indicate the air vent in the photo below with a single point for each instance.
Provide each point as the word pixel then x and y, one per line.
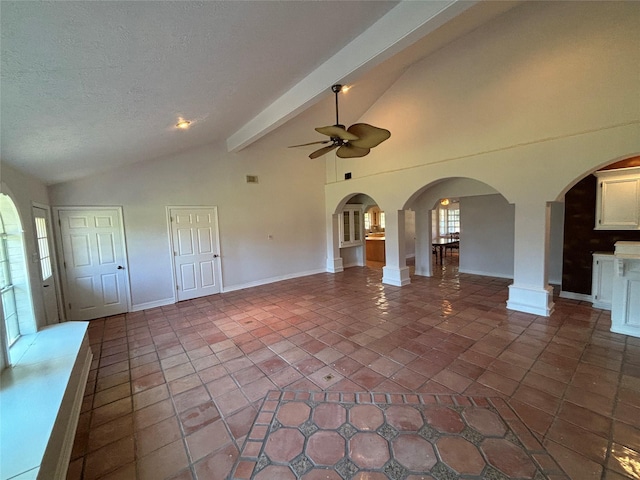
pixel 252 179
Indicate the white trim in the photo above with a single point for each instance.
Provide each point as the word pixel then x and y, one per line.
pixel 583 297
pixel 64 454
pixel 155 304
pixel 395 276
pixel 485 274
pixel 62 317
pixel 527 299
pixel 352 264
pixel 266 281
pixel 334 265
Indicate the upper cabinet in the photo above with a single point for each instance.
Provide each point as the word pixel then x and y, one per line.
pixel 351 231
pixel 618 199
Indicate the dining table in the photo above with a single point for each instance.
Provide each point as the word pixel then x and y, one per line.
pixel 440 243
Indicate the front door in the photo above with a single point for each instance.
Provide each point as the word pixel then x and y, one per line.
pixel 194 236
pixel 94 262
pixel 47 272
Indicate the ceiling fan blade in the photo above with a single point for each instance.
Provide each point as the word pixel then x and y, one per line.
pixel 322 151
pixel 368 135
pixel 310 143
pixel 337 131
pixel 349 151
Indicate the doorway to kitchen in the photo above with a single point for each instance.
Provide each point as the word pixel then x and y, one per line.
pixel 375 240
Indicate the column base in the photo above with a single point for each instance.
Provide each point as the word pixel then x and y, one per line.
pixel 334 265
pixel 398 277
pixel 538 301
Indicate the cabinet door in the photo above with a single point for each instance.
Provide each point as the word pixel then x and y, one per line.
pixel 351 226
pixel 602 282
pixel 618 204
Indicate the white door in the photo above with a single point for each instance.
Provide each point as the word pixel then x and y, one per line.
pixel 47 272
pixel 94 262
pixel 194 237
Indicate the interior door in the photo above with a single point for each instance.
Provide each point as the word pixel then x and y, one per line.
pixel 47 273
pixel 94 262
pixel 194 236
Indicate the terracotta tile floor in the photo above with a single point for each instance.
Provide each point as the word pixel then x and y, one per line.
pixel 179 392
pixel 331 435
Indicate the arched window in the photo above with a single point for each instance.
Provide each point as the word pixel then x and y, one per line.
pixel 15 288
pixel 9 307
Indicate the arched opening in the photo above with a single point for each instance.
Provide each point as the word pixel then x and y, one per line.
pixel 477 218
pixel 585 244
pixel 361 232
pixel 15 289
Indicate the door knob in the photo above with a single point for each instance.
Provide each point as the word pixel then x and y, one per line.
pixel 120 267
pixel 215 255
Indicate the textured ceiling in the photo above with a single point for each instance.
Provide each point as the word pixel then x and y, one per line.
pixel 90 85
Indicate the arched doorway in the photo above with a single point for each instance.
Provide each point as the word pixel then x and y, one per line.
pixel 582 239
pixel 358 232
pixel 483 221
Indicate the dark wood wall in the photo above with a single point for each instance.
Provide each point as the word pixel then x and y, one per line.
pixel 580 238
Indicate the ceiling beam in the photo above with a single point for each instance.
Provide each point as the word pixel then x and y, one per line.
pixel 400 27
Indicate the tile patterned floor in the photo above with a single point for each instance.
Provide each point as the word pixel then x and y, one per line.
pixel 330 435
pixel 174 392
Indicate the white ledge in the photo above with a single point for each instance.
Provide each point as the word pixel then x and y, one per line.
pixel 40 398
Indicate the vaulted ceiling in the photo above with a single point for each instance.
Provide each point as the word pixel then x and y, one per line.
pixel 90 85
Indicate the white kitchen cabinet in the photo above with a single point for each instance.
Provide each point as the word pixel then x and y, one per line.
pixel 602 280
pixel 351 226
pixel 625 303
pixel 618 199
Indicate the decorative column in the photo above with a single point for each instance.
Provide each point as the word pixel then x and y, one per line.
pixel 395 272
pixel 530 291
pixel 334 260
pixel 424 253
pixel 625 301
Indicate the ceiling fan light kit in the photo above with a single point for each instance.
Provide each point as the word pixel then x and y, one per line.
pixel 355 141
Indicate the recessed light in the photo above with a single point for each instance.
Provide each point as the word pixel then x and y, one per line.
pixel 183 124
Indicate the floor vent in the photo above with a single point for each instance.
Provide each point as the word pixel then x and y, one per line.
pixel 252 179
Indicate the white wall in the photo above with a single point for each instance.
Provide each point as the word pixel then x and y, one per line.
pixel 541 71
pixel 556 242
pixel 486 236
pixel 527 104
pixel 410 233
pixel 24 190
pixel 287 203
pixel 352 257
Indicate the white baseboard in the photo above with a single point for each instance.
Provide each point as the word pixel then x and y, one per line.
pixel 353 264
pixel 154 304
pixel 486 274
pixel 576 296
pixel 266 281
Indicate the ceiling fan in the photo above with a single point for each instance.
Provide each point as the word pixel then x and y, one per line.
pixel 352 142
